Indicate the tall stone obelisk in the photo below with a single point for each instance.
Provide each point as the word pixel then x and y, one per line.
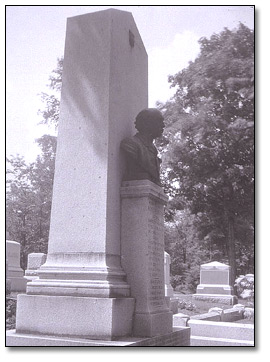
pixel 82 289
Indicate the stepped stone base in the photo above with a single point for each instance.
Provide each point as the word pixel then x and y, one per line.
pixel 78 317
pixel 179 337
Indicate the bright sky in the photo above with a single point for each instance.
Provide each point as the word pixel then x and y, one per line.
pixel 35 38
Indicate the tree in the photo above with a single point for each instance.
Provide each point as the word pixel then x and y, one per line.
pixel 29 187
pixel 187 252
pixel 28 199
pixel 51 112
pixel 209 145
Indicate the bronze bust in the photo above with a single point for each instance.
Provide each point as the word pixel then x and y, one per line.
pixel 142 158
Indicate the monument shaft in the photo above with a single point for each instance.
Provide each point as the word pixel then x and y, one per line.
pixel 104 87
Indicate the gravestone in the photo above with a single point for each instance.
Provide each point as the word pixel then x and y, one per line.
pixel 215 283
pixel 172 301
pixel 34 262
pixel 14 271
pixel 168 287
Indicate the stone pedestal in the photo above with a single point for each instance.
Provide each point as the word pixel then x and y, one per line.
pixel 215 284
pixel 15 274
pixel 82 289
pixel 142 245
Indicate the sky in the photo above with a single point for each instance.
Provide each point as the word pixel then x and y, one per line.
pixel 35 38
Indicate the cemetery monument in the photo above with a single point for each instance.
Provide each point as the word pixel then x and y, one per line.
pixel 103 280
pixel 215 284
pixel 15 273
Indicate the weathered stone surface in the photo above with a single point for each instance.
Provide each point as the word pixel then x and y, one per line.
pixel 14 272
pixel 210 316
pixel 224 330
pixel 104 88
pixel 95 318
pixel 180 320
pixel 179 337
pixel 143 255
pixel 172 304
pixel 232 314
pixel 34 262
pixel 216 298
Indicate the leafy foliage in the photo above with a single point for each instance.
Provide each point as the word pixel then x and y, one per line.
pixel 29 187
pixel 10 313
pixel 28 198
pixel 245 287
pixel 51 112
pixel 208 146
pixel 184 304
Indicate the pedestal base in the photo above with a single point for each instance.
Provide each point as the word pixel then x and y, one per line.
pixel 180 337
pixel 150 325
pixel 142 255
pixel 225 289
pixel 83 317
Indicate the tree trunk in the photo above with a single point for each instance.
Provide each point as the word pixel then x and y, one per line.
pixel 231 248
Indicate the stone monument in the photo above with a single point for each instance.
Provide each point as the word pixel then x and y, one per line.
pixel 86 293
pixel 215 284
pixel 14 271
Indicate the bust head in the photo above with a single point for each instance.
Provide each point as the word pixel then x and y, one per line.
pixel 150 122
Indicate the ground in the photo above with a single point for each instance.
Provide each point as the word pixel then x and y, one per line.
pixel 189 306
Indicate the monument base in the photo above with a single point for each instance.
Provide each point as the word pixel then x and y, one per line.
pixel 179 337
pixel 150 325
pixel 216 298
pixel 80 317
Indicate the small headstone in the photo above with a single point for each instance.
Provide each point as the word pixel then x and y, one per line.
pixel 215 284
pixel 167 263
pixel 14 271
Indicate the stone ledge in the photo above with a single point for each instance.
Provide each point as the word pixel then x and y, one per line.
pixel 196 341
pixel 179 337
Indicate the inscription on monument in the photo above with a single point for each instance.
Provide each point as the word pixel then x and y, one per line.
pixel 156 255
pixel 214 277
